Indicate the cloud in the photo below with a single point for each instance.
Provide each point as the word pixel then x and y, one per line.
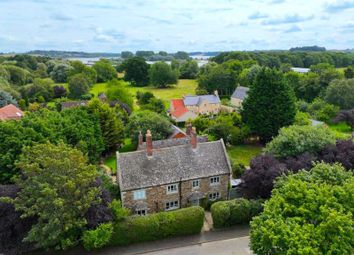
pixel 61 17
pixel 339 6
pixel 98 6
pixel 157 20
pixel 258 15
pixel 293 29
pixel 349 27
pixel 287 20
pixel 277 1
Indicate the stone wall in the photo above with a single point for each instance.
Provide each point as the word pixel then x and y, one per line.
pixel 156 197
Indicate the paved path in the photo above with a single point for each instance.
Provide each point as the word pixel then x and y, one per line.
pixel 235 246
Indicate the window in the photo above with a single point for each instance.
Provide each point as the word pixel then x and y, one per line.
pixel 214 196
pixel 172 205
pixel 173 188
pixel 139 194
pixel 195 184
pixel 140 212
pixel 214 180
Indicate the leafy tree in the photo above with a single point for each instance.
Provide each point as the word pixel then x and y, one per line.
pixel 41 71
pixel 111 127
pixel 309 213
pixel 60 72
pixel 78 86
pixel 302 119
pixel 136 71
pixel 57 190
pixel 117 90
pixel 248 76
pixel 258 181
pixel 144 53
pixel 181 55
pixel 88 72
pixel 342 152
pixel 341 93
pixel 144 97
pixel 59 91
pixel 188 70
pixel 143 120
pixel 320 110
pixel 269 106
pixel 18 76
pixel 39 88
pixel 295 140
pixel 105 71
pixel 217 78
pixel 310 87
pixel 6 98
pixel 126 54
pixel 349 72
pixel 161 75
pixel 4 73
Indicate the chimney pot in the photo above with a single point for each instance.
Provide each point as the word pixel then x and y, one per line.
pixel 148 143
pixel 194 138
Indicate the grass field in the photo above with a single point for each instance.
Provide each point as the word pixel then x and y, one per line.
pixel 184 87
pixel 244 153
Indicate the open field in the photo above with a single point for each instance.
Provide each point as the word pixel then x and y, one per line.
pixel 244 153
pixel 184 87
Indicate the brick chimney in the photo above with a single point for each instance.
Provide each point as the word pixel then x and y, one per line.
pixel 189 129
pixel 148 143
pixel 194 138
pixel 140 138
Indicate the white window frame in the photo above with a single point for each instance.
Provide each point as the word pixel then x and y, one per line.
pixel 172 189
pixel 196 186
pixel 215 180
pixel 139 194
pixel 214 196
pixel 171 205
pixel 142 212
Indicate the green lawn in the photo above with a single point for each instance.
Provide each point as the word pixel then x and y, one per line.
pixel 184 87
pixel 244 153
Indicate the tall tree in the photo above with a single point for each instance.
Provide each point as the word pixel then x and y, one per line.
pixel 341 93
pixel 105 71
pixel 270 105
pixel 6 98
pixel 189 69
pixel 78 86
pixel 136 71
pixel 349 72
pixel 309 213
pixel 57 189
pixel 162 75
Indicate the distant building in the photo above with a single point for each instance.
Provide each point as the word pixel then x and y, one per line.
pixel 190 107
pixel 300 69
pixel 73 104
pixel 10 112
pixel 168 178
pixel 239 95
pixel 177 133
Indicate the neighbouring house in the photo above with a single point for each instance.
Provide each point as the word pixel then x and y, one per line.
pixel 168 178
pixel 73 104
pixel 238 96
pixel 177 133
pixel 190 107
pixel 10 112
pixel 300 69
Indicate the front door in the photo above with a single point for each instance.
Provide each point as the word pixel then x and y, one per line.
pixel 195 202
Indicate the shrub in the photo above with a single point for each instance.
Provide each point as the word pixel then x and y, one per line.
pixel 119 212
pixel 156 226
pixel 97 238
pixel 238 211
pixel 237 169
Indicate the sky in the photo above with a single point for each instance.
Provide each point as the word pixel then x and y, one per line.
pixel 172 25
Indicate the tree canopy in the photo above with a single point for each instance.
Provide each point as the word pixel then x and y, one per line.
pixel 270 105
pixel 341 93
pixel 162 75
pixel 57 189
pixel 136 71
pixel 309 213
pixel 105 71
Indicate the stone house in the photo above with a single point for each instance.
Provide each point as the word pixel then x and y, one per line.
pixel 190 107
pixel 238 96
pixel 172 177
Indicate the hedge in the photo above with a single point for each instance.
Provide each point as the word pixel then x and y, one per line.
pixel 157 226
pixel 237 211
pixel 97 238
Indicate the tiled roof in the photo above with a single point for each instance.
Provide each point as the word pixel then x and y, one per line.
pixel 71 104
pixel 172 164
pixel 10 112
pixel 178 108
pixel 176 130
pixel 158 144
pixel 240 92
pixel 195 100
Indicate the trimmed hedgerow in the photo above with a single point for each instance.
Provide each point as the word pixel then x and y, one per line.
pixel 156 226
pixel 237 211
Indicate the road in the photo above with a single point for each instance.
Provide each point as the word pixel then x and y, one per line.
pixel 235 246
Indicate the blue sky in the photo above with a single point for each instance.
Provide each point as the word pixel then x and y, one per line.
pixel 171 25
